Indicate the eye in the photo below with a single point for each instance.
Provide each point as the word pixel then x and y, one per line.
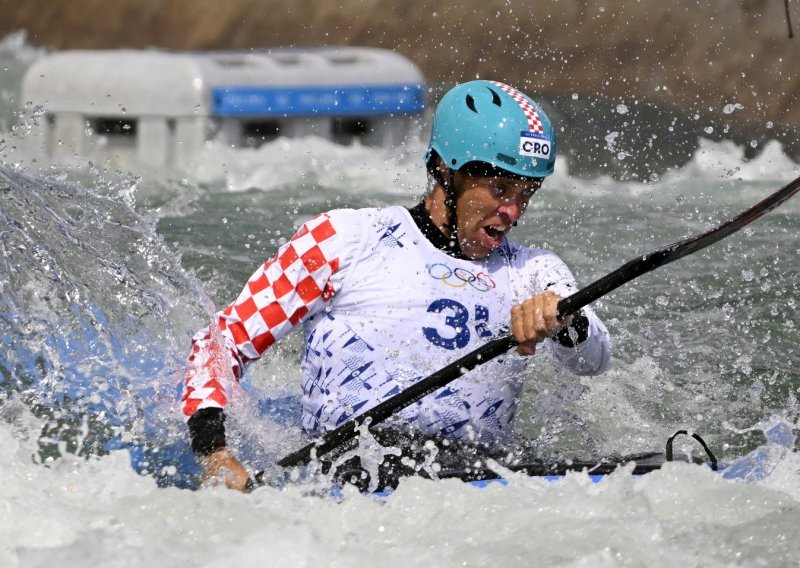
pixel 496 188
pixel 531 189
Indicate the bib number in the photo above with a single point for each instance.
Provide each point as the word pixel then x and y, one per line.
pixel 456 319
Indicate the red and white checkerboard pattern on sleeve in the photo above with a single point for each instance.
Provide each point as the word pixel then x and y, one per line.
pixel 288 287
pixel 534 122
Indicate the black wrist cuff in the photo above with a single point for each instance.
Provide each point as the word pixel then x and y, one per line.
pixel 207 430
pixel 579 325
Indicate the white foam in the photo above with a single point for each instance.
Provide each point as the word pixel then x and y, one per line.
pixel 99 512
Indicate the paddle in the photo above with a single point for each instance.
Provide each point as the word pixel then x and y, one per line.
pixel 567 306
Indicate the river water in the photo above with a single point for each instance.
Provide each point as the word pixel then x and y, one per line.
pixel 105 273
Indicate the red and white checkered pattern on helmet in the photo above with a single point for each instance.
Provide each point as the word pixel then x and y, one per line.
pixel 534 122
pixel 281 293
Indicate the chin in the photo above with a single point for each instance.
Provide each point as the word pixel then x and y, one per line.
pixel 476 253
pixel 475 249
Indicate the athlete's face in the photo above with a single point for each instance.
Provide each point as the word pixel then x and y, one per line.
pixel 487 209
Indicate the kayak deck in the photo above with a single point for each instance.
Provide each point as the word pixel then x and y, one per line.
pixel 410 455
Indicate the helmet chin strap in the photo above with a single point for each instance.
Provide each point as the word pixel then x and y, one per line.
pixel 450 193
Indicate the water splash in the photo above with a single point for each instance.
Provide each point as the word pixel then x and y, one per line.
pixel 370 452
pixel 761 462
pixel 95 314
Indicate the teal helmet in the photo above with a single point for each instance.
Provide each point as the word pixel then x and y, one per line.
pixel 495 124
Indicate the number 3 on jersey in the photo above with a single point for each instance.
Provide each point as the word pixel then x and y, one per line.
pixel 456 318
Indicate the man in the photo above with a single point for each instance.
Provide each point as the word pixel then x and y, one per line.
pixel 388 296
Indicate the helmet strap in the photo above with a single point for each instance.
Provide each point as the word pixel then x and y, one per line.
pixel 451 193
pixel 445 178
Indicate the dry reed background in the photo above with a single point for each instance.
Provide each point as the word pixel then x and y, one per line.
pixel 698 55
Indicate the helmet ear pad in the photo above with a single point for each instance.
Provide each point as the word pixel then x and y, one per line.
pixel 437 169
pixel 444 177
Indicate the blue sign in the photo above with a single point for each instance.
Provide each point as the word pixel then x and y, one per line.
pixel 319 101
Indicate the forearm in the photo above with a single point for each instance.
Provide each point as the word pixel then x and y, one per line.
pixel 214 367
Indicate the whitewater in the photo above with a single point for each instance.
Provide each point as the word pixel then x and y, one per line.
pixel 106 272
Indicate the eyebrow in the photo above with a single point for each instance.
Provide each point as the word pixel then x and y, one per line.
pixel 524 186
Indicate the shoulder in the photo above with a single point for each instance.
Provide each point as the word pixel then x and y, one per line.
pixel 370 223
pixel 531 258
pixel 346 217
pixel 363 218
pixel 339 224
pixel 347 232
pixel 537 269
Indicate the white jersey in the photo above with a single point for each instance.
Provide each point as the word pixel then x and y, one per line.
pixel 382 308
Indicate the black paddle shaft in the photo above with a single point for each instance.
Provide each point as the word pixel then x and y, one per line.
pixel 566 307
pixel 670 253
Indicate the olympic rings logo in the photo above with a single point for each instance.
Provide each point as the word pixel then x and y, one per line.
pixel 460 277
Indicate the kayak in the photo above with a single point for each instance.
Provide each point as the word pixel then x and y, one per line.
pixel 383 458
pixel 392 455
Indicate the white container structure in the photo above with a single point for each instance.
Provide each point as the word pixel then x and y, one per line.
pixel 160 108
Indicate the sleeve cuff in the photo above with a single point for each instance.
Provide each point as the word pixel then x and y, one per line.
pixel 575 333
pixel 207 430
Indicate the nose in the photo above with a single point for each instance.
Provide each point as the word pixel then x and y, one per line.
pixel 513 206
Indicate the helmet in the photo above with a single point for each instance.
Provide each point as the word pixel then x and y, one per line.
pixel 490 122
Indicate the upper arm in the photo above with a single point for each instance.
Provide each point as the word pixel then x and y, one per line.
pixel 294 284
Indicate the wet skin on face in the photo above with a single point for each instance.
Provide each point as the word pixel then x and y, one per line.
pixel 487 209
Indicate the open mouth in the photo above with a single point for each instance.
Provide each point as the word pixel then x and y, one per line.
pixel 495 232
